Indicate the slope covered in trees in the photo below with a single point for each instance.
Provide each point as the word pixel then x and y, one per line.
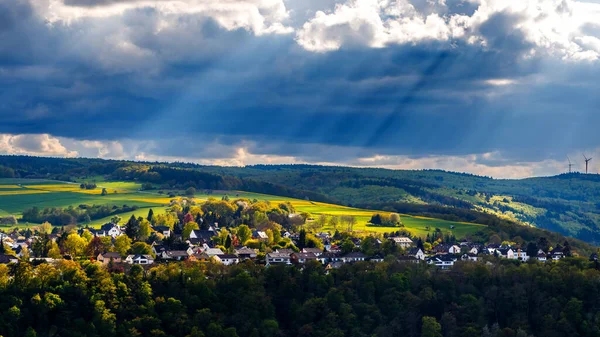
pixel 386 299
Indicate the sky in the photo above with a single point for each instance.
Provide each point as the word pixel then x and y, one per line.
pixel 502 88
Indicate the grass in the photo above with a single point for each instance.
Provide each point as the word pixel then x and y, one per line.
pixel 41 193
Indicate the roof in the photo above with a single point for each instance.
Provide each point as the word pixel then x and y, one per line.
pixel 214 251
pixel 284 251
pixel 306 255
pixel 107 226
pixel 140 256
pixel 445 258
pixel 227 256
pixel 162 228
pixel 355 255
pixel 177 253
pixel 245 250
pixel 277 255
pixel 312 250
pixel 7 258
pixel 414 251
pixel 401 239
pixel 205 234
pixel 113 255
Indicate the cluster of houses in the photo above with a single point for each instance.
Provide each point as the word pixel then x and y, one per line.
pixel 200 247
pixel 445 255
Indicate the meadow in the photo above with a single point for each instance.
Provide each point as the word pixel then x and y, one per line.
pixel 17 195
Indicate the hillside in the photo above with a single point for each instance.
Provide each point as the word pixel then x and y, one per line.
pixel 18 195
pixel 567 204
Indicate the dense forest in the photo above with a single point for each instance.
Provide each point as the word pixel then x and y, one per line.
pixel 503 299
pixel 568 203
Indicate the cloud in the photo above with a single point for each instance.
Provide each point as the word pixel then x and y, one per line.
pixel 39 145
pixel 241 81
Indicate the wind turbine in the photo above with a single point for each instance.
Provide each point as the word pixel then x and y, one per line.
pixel 587 160
pixel 570 164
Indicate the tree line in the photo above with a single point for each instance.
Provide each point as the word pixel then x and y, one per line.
pixel 363 299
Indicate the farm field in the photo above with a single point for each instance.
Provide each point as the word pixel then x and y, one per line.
pixel 17 195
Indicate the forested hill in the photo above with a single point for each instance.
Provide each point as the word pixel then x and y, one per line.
pixel 569 203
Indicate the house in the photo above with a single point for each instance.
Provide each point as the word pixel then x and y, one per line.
pixel 354 257
pixel 417 253
pixel 278 258
pixel 107 257
pixel 284 251
pixel 443 261
pixel 333 265
pixel 521 255
pixel 542 256
pixel 199 257
pixel 469 257
pixel 227 259
pixel 376 258
pixel 139 259
pixel 158 249
pixel 245 253
pixel 260 235
pixel 334 249
pixel 302 258
pixel 447 248
pixel 402 242
pixel 110 229
pixel 506 253
pixel 407 259
pixel 176 255
pixel 6 259
pixel 213 251
pixel 557 254
pixel 329 257
pixel 315 251
pixel 202 236
pixel 164 230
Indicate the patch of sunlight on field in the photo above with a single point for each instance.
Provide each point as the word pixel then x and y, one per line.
pixel 22 191
pixel 55 187
pixel 158 200
pixel 120 185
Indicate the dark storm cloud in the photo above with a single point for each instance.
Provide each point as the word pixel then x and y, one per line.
pixel 197 84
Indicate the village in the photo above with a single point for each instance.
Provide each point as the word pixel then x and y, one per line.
pixel 201 246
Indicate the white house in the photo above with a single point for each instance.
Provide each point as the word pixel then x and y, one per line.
pixel 278 258
pixel 227 259
pixel 109 229
pixel 417 253
pixel 164 230
pixel 353 257
pixel 316 251
pixel 402 241
pixel 139 259
pixel 443 261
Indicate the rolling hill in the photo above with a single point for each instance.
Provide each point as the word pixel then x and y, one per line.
pixel 568 204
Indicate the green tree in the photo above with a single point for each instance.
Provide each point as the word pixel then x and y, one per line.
pixel 133 228
pixel 150 216
pixel 144 230
pixel 141 248
pixel 243 233
pixel 122 244
pixel 190 192
pixel 75 245
pixel 104 192
pixel 430 327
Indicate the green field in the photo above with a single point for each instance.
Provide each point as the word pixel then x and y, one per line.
pixel 17 195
